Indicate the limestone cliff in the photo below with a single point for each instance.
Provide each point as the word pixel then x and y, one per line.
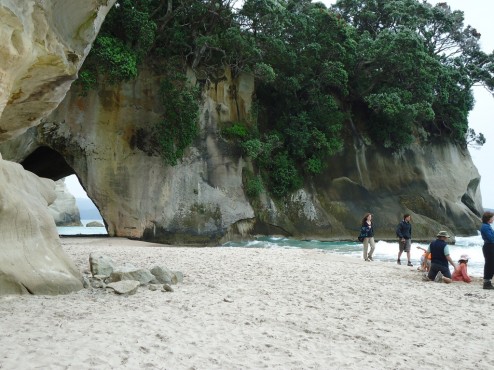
pixel 202 201
pixel 44 43
pixel 32 257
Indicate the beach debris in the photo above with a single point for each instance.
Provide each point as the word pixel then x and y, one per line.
pixel 105 273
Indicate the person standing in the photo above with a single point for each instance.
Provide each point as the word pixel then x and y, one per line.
pixel 440 257
pixel 404 232
pixel 367 230
pixel 488 248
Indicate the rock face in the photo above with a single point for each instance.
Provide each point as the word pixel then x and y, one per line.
pixel 32 257
pixel 44 43
pixel 202 201
pixel 64 209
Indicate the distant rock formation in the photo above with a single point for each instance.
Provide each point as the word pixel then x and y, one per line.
pixel 94 224
pixel 64 209
pixel 43 45
pixel 202 200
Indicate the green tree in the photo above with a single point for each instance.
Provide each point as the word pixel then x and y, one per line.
pixel 179 126
pixel 397 71
pixel 415 67
pixel 308 48
pixel 124 41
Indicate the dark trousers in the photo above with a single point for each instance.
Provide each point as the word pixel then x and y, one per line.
pixel 435 268
pixel 488 251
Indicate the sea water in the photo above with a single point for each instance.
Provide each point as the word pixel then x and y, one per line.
pixel 82 230
pixel 385 251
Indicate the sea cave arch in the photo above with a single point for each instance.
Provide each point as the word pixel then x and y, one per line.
pixel 48 163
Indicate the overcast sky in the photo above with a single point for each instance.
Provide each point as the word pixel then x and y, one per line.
pixel 478 13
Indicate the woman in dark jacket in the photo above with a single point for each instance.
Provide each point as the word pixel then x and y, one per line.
pixel 488 248
pixel 367 231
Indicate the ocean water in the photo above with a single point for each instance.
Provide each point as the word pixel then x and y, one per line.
pixel 385 251
pixel 82 230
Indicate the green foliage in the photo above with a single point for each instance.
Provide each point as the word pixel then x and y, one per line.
pixel 236 131
pixel 118 61
pixel 284 176
pixel 139 29
pixel 314 166
pixel 252 148
pixel 179 126
pixel 270 144
pixel 87 81
pixel 124 41
pixel 264 72
pixel 397 71
pixel 254 187
pixel 414 70
pixel 307 49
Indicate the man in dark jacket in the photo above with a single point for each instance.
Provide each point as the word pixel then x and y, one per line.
pixel 404 232
pixel 440 257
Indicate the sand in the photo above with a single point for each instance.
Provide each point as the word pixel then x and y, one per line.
pixel 242 308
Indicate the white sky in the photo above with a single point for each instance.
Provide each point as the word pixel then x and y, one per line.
pixel 75 187
pixel 478 13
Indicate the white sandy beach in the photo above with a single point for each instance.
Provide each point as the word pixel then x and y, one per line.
pixel 251 309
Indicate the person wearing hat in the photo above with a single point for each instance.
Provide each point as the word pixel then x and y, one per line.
pixel 460 273
pixel 440 257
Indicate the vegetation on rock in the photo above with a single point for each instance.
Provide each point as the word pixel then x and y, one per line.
pixel 395 72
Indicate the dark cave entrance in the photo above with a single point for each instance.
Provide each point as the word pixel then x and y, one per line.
pixel 48 163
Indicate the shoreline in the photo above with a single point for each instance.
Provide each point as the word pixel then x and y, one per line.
pixel 241 308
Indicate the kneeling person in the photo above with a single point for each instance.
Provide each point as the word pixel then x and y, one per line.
pixel 440 257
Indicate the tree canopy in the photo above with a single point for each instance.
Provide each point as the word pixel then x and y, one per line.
pixel 394 71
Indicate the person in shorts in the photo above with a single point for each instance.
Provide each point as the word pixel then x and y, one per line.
pixel 404 233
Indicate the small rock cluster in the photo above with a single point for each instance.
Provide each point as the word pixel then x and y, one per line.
pixel 127 278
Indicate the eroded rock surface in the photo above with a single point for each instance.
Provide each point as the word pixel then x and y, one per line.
pixel 43 45
pixel 64 209
pixel 202 200
pixel 32 258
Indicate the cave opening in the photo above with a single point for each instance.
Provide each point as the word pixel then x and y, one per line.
pixel 48 163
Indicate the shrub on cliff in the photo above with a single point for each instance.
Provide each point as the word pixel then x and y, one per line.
pixel 396 72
